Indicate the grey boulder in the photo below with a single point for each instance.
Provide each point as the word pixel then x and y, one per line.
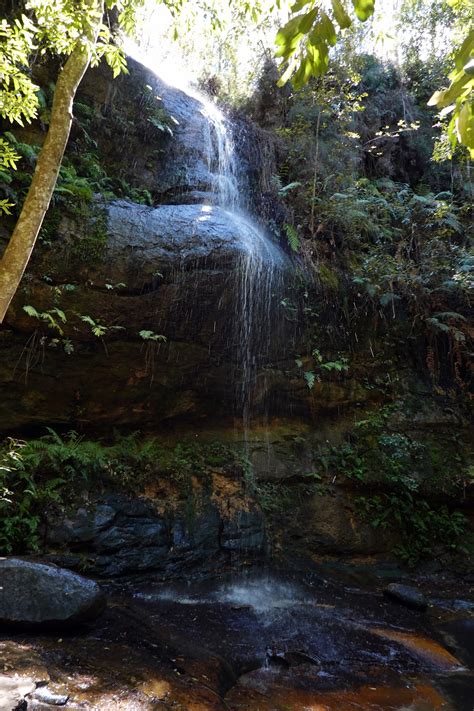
pixel 35 594
pixel 406 595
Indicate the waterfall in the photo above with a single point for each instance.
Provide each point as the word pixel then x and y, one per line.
pixel 213 167
pixel 259 274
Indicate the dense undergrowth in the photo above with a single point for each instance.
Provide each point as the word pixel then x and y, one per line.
pixel 378 214
pixel 404 486
pixel 40 477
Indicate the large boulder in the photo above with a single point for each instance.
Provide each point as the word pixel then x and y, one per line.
pixel 35 594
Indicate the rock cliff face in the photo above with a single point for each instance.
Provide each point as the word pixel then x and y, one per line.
pixel 117 269
pixel 178 317
pixel 151 296
pixel 119 536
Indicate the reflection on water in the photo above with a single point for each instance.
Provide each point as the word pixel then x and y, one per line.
pixel 259 593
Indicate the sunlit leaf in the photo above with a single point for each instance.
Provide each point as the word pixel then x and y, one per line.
pixel 342 18
pixel 363 9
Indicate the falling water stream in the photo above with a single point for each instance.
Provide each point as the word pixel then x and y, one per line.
pixel 259 273
pixel 260 268
pixel 258 281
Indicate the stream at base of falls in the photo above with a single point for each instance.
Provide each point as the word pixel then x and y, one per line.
pixel 264 641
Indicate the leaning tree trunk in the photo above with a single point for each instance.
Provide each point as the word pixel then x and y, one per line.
pixel 17 254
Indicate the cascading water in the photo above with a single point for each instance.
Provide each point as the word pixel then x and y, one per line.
pixel 259 277
pixel 259 274
pixel 212 166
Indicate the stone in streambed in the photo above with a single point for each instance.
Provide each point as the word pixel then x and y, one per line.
pixel 46 696
pixel 406 595
pixel 35 594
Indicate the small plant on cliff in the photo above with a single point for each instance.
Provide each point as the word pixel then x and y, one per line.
pixel 99 329
pixel 52 317
pixel 151 340
pixel 319 366
pixel 157 116
pixel 152 336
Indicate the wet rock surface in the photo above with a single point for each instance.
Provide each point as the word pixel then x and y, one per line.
pixel 406 595
pixel 120 535
pixel 34 594
pixel 177 265
pixel 214 645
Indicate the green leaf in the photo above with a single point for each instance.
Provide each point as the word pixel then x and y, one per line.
pixel 318 54
pixel 434 323
pixel 303 73
pixel 307 21
pixel 364 9
pixel 310 378
pixel 340 14
pixel 328 30
pixel 287 73
pixel 99 330
pixel 288 34
pixel 465 126
pixel 299 5
pixel 88 319
pixel 152 336
pixel 31 311
pixel 60 313
pixel 5 206
pixel 450 315
pixel 293 239
pixel 286 188
pixel 460 84
pixel 465 51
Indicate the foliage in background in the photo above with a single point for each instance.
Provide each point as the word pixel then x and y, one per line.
pixel 304 45
pixel 384 230
pixel 404 483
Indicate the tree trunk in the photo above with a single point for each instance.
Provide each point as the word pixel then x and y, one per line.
pixel 17 254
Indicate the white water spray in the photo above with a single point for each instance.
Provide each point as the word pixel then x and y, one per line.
pixel 260 267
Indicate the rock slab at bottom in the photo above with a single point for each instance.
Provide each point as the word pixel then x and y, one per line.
pixel 13 691
pixel 406 595
pixel 35 594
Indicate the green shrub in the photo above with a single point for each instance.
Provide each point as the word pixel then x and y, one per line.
pixel 46 473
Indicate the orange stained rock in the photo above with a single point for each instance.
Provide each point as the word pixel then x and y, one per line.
pixel 424 648
pixel 419 697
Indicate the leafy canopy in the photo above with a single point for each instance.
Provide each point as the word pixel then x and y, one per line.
pixel 304 43
pixel 458 98
pixel 56 27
